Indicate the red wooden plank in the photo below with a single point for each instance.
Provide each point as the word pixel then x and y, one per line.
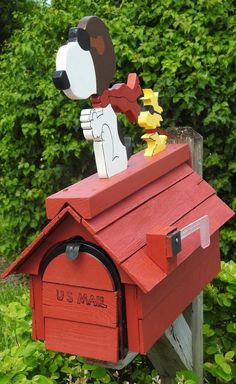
pixel 92 341
pixel 159 248
pixel 219 213
pixel 132 318
pixel 125 279
pixel 85 271
pixel 66 229
pixel 37 242
pixel 167 285
pixel 32 305
pixel 146 275
pixel 136 199
pixel 127 235
pixel 177 291
pixel 143 271
pixel 37 313
pixel 92 195
pixel 91 306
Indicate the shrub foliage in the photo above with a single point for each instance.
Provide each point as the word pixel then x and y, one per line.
pixel 184 49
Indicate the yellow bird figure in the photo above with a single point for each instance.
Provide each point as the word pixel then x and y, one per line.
pixel 150 118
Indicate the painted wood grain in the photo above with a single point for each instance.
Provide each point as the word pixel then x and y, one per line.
pixel 143 271
pixel 85 271
pixel 186 283
pixel 37 312
pixel 168 207
pixel 159 248
pixel 202 263
pixel 132 317
pixel 92 196
pixel 92 306
pixel 81 339
pixel 173 351
pixel 66 229
pixel 122 208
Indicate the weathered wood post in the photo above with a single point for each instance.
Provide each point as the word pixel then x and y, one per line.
pixel 181 347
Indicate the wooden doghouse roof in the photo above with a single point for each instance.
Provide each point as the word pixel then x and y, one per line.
pixel 119 212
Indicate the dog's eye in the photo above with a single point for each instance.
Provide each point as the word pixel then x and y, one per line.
pixel 80 35
pixel 83 39
pixel 73 34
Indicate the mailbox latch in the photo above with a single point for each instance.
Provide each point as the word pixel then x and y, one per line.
pixel 72 250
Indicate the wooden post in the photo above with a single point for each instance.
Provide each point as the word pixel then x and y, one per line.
pixel 196 323
pixel 181 347
pixel 173 351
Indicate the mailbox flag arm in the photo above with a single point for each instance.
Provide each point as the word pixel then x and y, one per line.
pixel 202 225
pixel 163 244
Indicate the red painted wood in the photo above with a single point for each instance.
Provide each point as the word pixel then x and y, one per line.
pixel 218 214
pixel 164 209
pixel 32 305
pixel 85 271
pixel 159 248
pixel 143 271
pixel 147 302
pixel 178 291
pixel 68 218
pixel 65 229
pixel 92 195
pixel 132 318
pixel 92 341
pixel 124 277
pixel 91 306
pixel 123 97
pixel 37 313
pixel 138 198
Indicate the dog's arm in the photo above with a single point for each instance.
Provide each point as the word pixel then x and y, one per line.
pixel 93 120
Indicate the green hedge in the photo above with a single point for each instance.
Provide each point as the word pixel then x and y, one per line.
pixel 184 49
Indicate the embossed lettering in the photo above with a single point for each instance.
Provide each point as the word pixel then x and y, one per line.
pixel 82 298
pixel 60 295
pixel 101 303
pixel 69 297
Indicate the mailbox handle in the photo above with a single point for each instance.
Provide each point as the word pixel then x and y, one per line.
pixel 202 225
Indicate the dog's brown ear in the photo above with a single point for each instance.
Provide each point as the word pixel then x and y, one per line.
pixel 98 43
pixel 101 50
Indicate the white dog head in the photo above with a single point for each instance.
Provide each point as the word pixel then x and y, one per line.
pixel 85 66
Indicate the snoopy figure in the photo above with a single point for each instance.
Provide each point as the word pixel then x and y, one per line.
pixel 85 67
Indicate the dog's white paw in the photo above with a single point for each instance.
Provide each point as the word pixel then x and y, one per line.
pixel 91 123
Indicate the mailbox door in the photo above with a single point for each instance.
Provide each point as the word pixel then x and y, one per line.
pixel 82 303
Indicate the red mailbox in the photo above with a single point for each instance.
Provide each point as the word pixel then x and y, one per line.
pixel 111 272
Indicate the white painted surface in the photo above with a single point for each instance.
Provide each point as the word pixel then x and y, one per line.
pixel 80 70
pixel 100 125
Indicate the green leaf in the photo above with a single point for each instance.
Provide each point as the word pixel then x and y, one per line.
pixel 40 379
pixel 98 373
pixel 229 355
pixel 4 379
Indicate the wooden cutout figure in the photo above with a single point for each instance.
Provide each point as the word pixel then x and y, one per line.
pixel 150 119
pixel 85 67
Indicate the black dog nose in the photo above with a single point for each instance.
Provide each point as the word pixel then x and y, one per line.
pixel 61 80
